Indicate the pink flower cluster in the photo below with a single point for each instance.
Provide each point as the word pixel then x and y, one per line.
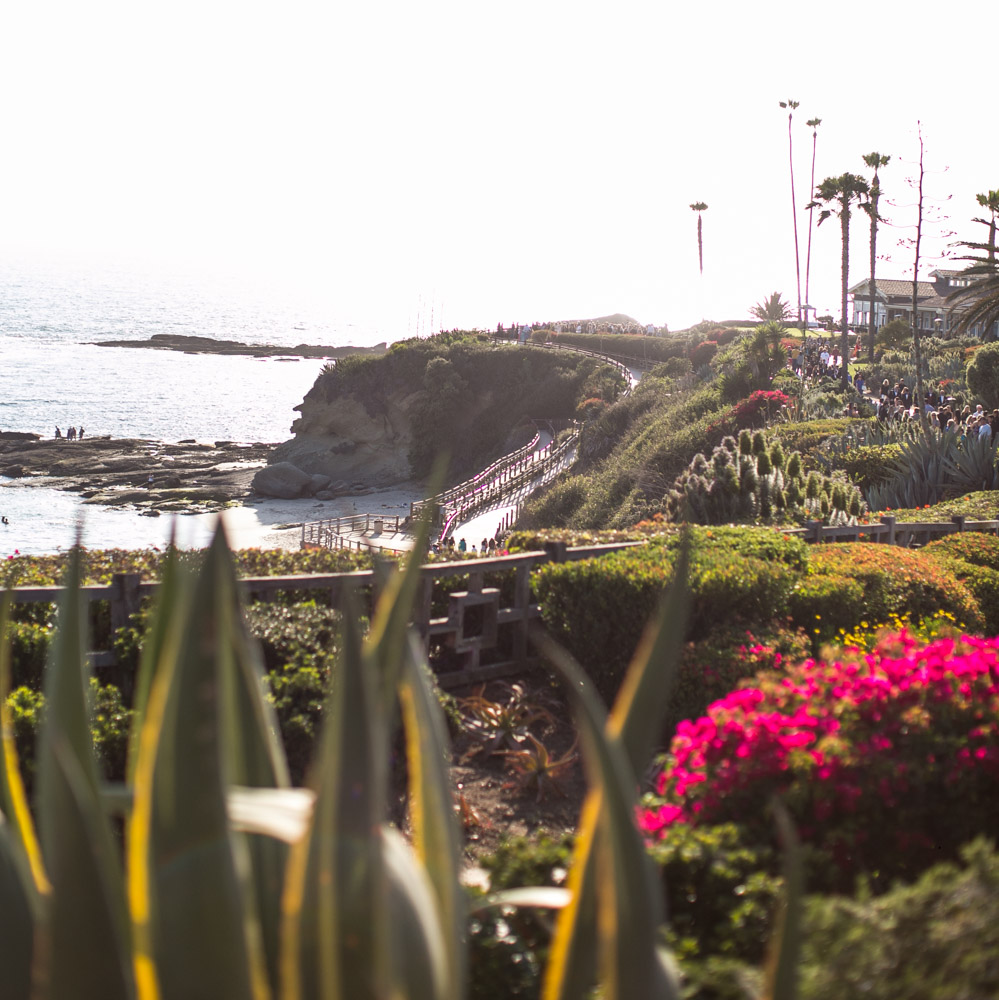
pixel 889 734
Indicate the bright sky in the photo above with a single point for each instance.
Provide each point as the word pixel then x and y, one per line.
pixel 505 162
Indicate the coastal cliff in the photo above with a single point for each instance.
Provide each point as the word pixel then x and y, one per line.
pixel 380 421
pixel 341 438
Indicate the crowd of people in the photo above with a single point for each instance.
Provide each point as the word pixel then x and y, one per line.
pixel 487 547
pixel 896 402
pixel 72 434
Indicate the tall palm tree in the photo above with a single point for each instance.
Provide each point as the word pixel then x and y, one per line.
pixel 698 207
pixel 979 301
pixel 813 124
pixel 791 105
pixel 836 196
pixel 990 200
pixel 875 161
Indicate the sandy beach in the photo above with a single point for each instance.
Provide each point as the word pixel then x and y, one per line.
pixel 265 523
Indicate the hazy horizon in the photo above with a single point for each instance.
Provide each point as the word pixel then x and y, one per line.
pixel 482 165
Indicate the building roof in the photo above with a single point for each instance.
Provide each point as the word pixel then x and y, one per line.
pixel 891 288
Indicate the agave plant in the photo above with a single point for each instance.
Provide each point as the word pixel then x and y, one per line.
pixel 537 771
pixel 502 723
pixel 233 884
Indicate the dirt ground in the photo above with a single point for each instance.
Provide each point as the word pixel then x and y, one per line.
pixel 500 792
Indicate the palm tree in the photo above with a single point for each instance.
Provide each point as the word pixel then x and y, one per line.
pixel 842 191
pixel 978 301
pixel 791 105
pixel 875 161
pixel 813 124
pixel 772 309
pixel 698 207
pixel 989 200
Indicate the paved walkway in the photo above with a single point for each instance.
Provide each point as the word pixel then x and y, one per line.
pixel 483 523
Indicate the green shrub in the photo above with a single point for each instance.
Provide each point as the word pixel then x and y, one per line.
pixel 29 646
pixel 671 369
pixel 808 436
pixel 983 583
pixel 714 665
pixel 109 723
pixel 982 375
pixel 298 634
pixel 868 465
pixel 26 706
pixel 972 546
pixel 895 581
pixel 299 694
pixel 752 482
pixel 936 939
pixel 598 607
pixel 721 891
pixel 824 603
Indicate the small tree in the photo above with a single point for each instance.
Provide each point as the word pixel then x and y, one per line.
pixel 772 309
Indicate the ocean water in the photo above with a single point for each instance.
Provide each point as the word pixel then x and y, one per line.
pixel 52 374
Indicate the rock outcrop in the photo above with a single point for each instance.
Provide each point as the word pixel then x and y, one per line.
pixel 282 480
pixel 341 439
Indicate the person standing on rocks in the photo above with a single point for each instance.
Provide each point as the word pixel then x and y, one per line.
pixel 58 433
pixel 79 434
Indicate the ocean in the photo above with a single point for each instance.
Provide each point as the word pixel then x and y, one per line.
pixel 52 375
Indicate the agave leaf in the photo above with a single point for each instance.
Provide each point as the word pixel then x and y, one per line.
pixel 152 652
pixel 86 919
pixel 281 813
pixel 420 952
pixel 435 830
pixel 253 756
pixel 781 982
pixel 22 877
pixel 628 904
pixel 186 869
pixel 637 716
pixel 633 724
pixel 335 904
pixel 542 897
pixel 13 801
pixel 389 624
pixel 17 918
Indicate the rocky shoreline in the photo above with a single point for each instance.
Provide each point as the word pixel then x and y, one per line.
pixel 209 345
pixel 150 476
pixel 154 477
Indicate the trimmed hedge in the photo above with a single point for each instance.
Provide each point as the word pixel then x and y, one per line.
pixel 750 578
pixel 895 581
pixel 599 607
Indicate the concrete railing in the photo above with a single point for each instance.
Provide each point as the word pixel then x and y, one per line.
pixel 470 630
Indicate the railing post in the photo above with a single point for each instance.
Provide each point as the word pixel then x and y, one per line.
pixel 959 520
pixel 814 529
pixel 889 519
pixel 522 602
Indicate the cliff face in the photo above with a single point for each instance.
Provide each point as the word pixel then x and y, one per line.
pixel 341 439
pixel 382 420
